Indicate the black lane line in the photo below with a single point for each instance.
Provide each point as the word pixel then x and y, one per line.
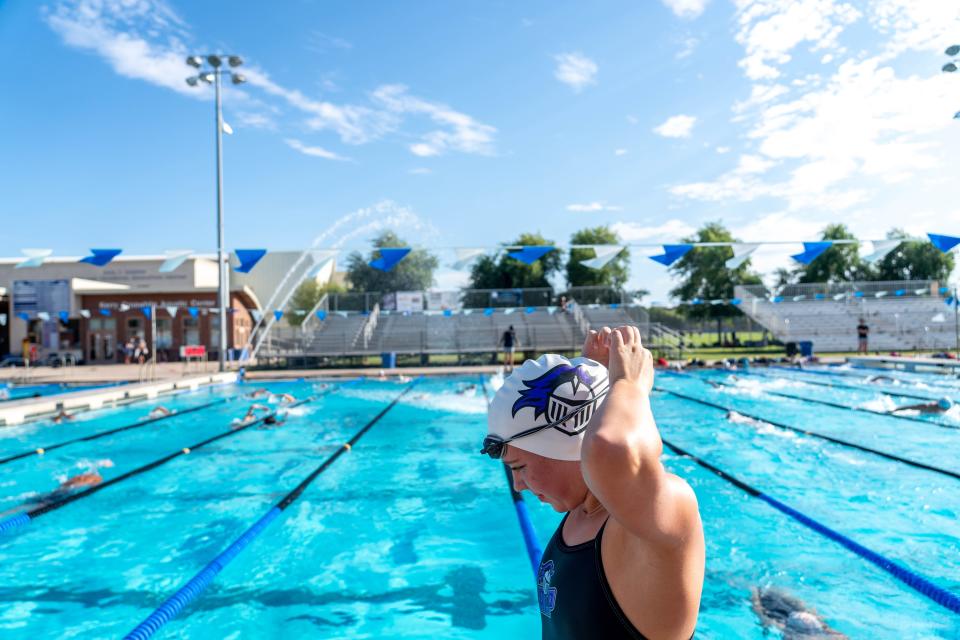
pixel 837 385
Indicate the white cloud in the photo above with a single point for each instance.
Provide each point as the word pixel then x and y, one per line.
pixel 687 48
pixel 318 152
pixel 420 171
pixel 593 206
pixel 575 69
pixel 668 231
pixel 687 9
pixel 634 120
pixel 723 149
pixel 620 152
pixel 679 126
pixel 255 120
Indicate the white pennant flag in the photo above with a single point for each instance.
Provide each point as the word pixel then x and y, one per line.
pixel 880 249
pixel 938 318
pixel 741 251
pixel 465 255
pixel 124 307
pixel 172 311
pixel 85 313
pixel 257 314
pixel 3 319
pixel 35 257
pixel 605 254
pixel 227 129
pixel 43 315
pixel 175 258
pixel 321 258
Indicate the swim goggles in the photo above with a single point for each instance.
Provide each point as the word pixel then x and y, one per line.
pixel 493 444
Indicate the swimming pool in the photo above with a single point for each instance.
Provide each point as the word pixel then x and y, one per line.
pixel 413 535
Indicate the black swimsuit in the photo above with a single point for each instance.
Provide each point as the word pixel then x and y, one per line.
pixel 576 602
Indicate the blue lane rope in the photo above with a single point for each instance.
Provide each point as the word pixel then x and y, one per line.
pixel 136 425
pixel 878 388
pixel 16 522
pixel 534 551
pixel 908 577
pixel 196 585
pixel 814 434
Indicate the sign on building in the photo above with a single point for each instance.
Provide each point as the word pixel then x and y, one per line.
pixel 34 296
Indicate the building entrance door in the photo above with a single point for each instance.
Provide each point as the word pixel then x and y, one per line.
pixel 102 341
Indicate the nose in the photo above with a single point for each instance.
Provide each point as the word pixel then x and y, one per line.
pixel 518 484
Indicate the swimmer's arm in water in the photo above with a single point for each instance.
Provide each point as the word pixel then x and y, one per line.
pixel 620 457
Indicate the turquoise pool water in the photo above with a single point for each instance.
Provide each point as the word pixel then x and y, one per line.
pixel 11 391
pixel 413 535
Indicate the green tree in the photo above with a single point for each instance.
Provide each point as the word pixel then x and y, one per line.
pixel 703 274
pixel 306 296
pixel 614 274
pixel 839 263
pixel 914 260
pixel 413 273
pixel 509 273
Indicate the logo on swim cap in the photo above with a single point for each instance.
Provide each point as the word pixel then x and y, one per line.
pixel 554 394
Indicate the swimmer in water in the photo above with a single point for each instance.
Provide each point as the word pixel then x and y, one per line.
pixel 879 379
pixel 933 407
pixel 159 412
pixel 258 393
pixel 778 609
pixel 470 388
pixel 61 417
pixel 284 398
pixel 67 487
pixel 251 415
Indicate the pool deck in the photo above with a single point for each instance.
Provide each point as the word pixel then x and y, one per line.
pixel 18 411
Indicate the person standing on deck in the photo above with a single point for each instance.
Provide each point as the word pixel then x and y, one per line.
pixel 863 332
pixel 509 343
pixel 627 561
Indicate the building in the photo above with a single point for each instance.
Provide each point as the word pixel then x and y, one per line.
pixel 67 308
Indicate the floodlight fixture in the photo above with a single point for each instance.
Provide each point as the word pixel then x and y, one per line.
pixel 235 61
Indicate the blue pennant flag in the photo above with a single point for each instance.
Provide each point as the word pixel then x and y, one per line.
pixel 147 311
pixel 194 311
pixel 672 253
pixel 614 305
pixel 248 259
pixel 447 312
pixel 529 255
pixel 64 317
pixel 810 251
pixel 105 312
pixel 321 315
pixel 101 257
pixel 944 289
pixel 777 299
pixel 819 296
pixel 277 314
pixel 531 309
pixel 23 316
pixel 944 243
pixel 488 311
pixel 389 257
pixel 900 292
pixel 858 294
pixel 696 301
pixel 949 301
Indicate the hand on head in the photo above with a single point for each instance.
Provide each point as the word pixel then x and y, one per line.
pixel 628 360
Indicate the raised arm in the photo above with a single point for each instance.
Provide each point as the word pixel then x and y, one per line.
pixel 620 457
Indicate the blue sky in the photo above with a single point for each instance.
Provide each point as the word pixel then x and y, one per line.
pixel 466 123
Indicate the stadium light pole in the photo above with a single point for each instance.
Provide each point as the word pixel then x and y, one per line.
pixel 951 67
pixel 212 76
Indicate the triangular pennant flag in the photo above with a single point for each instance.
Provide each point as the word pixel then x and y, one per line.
pixel 342 314
pixel 810 251
pixel 944 243
pixel 105 312
pixel 508 311
pixel 671 253
pixel 605 253
pixel 172 311
pixel 321 315
pixel 531 310
pixel 741 253
pixel 798 298
pixel 23 316
pixel 248 259
pixel 839 296
pixel 735 301
pixel 389 257
pixel 35 257
pixel 175 258
pixel 819 296
pixel 529 255
pixel 465 256
pixel 101 257
pixel 257 314
pixel 938 318
pixel 43 315
pixel 64 316
pixel 944 289
pixel 277 314
pixel 227 129
pixel 880 294
pixel 193 311
pixel 488 311
pixel 447 312
pixel 858 294
pixel 300 312
pixel 551 310
pixel 85 313
pixel 147 311
pixel 900 292
pixel 880 250
pixel 467 312
pixel 3 319
pixel 321 258
pixel 124 307
pixel 921 292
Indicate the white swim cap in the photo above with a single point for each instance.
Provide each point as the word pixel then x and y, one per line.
pixel 543 391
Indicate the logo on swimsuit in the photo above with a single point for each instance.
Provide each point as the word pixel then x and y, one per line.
pixel 560 391
pixel 546 594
